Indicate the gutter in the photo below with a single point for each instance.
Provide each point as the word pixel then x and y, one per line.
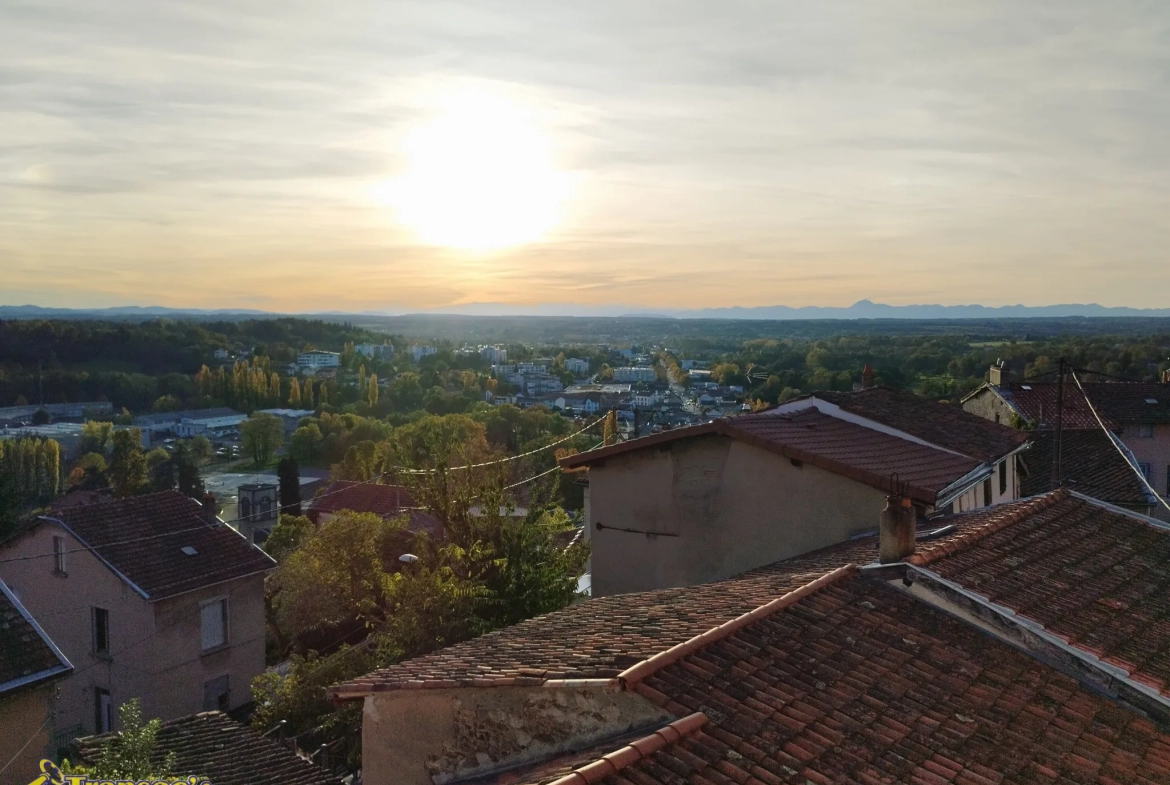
pixel 962 485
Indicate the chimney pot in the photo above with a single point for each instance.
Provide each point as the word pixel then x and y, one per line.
pixel 867 377
pixel 896 530
pixel 210 507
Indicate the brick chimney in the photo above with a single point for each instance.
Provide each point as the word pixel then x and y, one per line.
pixel 210 507
pixel 867 377
pixel 896 530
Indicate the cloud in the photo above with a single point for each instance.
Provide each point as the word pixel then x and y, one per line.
pixel 740 153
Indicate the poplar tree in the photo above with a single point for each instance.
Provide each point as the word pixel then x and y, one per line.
pixel 294 394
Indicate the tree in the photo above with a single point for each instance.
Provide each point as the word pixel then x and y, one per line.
pixel 161 469
pixel 304 442
pixel 290 486
pixel 165 403
pixel 372 390
pixel 199 448
pixel 131 753
pixel 89 473
pixel 128 471
pixel 40 417
pixel 322 395
pixel 95 437
pixel 50 468
pixel 261 435
pixel 294 393
pixel 186 462
pixel 287 535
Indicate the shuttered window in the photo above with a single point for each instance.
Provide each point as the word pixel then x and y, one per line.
pixel 214 624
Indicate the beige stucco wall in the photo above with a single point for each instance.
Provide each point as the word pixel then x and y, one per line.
pixel 156 647
pixel 22 720
pixel 429 737
pixel 732 506
pixel 1156 452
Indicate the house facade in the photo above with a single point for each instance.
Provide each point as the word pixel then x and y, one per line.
pixel 150 597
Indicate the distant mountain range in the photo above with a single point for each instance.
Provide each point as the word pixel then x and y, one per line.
pixel 863 309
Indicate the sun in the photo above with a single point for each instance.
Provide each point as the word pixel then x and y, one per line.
pixel 480 176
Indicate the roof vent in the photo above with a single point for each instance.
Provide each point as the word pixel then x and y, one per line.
pixel 1151 400
pixel 187 549
pixel 1025 387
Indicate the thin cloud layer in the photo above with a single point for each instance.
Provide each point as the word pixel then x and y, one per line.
pixel 743 153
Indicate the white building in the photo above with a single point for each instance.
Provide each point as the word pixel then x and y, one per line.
pixel 532 367
pixel 494 354
pixel 577 366
pixel 419 352
pixel 646 400
pixel 198 421
pixel 378 351
pixel 634 373
pixel 222 354
pixel 310 362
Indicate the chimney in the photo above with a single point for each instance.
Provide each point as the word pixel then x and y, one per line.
pixel 210 506
pixel 867 377
pixel 999 375
pixel 896 530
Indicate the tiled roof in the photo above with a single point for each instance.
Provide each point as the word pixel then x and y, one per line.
pixel 27 656
pixel 209 414
pixel 601 637
pixel 833 444
pixel 860 683
pixel 1090 464
pixel 386 501
pixel 1096 578
pixel 947 426
pixel 224 752
pixel 1118 403
pixel 142 536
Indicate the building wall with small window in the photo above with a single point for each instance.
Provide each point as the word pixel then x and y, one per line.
pixel 93 616
pixel 124 646
pixel 1150 445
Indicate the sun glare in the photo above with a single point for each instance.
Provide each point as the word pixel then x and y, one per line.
pixel 479 177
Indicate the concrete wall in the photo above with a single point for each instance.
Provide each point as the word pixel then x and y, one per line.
pixel 713 507
pixel 22 720
pixel 430 737
pixel 1156 452
pixel 156 648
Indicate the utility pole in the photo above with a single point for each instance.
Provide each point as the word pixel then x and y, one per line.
pixel 1057 475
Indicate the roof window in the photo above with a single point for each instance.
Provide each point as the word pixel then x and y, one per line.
pixel 1025 387
pixel 1151 400
pixel 187 549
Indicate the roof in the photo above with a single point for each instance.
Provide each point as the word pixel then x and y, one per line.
pixel 27 656
pixel 209 414
pixel 386 501
pixel 140 537
pixel 854 451
pixel 1090 464
pixel 947 426
pixel 1118 403
pixel 859 682
pixel 1095 577
pixel 600 637
pixel 224 752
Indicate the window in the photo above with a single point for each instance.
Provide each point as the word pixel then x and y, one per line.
pixel 987 492
pixel 1146 470
pixel 245 509
pixel 216 694
pixel 265 508
pixel 1002 477
pixel 101 631
pixel 1145 431
pixel 214 615
pixel 59 564
pixel 103 711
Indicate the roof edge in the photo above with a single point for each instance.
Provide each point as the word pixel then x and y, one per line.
pixel 636 673
pixel 64 666
pixel 351 690
pixel 94 550
pixel 1025 509
pixel 600 454
pixel 598 770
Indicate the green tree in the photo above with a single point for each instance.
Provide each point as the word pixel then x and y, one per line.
pixel 95 437
pixel 165 403
pixel 287 535
pixel 50 468
pixel 372 390
pixel 131 754
pixel 261 436
pixel 89 473
pixel 41 417
pixel 128 470
pixel 199 448
pixel 294 393
pixel 304 442
pixel 290 486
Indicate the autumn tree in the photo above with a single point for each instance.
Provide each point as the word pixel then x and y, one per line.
pixel 128 471
pixel 372 390
pixel 261 435
pixel 305 441
pixel 294 393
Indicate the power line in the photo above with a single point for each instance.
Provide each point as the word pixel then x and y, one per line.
pixel 1113 440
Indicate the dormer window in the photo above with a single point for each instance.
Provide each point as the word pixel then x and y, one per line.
pixel 60 565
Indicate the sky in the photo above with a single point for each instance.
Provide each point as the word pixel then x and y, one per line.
pixel 370 155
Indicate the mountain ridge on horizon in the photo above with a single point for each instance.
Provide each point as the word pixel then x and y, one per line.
pixel 862 309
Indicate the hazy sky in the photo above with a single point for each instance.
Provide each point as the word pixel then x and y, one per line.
pixel 237 154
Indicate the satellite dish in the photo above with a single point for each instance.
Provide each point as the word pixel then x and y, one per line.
pixel 408 558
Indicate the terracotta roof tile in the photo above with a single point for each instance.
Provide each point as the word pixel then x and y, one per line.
pixel 387 501
pixel 27 656
pixel 947 426
pixel 142 538
pixel 599 638
pixel 1090 464
pixel 1095 578
pixel 213 746
pixel 1118 403
pixel 859 682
